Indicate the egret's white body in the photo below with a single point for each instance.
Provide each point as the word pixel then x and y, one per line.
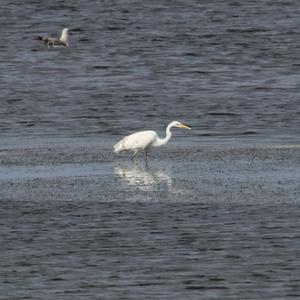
pixel 142 140
pixel 63 41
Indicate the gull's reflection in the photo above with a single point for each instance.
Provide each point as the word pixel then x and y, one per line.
pixel 142 177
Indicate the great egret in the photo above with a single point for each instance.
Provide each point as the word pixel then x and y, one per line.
pixel 63 41
pixel 142 140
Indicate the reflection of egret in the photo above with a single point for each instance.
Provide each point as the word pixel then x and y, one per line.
pixel 144 178
pixel 142 140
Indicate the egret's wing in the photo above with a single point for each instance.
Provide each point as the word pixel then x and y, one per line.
pixel 135 141
pixel 140 140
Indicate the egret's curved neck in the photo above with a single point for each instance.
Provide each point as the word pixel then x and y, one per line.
pixel 64 36
pixel 160 141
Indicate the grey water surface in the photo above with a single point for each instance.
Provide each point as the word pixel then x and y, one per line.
pixel 214 214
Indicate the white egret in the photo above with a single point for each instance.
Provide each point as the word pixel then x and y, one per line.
pixel 63 41
pixel 143 140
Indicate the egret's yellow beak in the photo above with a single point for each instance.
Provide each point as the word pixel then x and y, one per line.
pixel 184 126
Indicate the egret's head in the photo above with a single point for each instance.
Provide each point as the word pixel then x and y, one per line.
pixel 179 125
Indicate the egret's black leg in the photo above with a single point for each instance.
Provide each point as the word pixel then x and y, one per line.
pixel 134 154
pixel 146 158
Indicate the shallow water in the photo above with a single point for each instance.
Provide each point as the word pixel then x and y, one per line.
pixel 214 214
pixel 132 250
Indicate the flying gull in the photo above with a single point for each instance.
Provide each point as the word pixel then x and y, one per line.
pixel 54 42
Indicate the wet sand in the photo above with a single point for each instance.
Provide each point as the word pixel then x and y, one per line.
pixel 211 172
pixel 211 221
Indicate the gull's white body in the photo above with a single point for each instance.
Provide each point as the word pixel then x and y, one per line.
pixel 63 41
pixel 142 140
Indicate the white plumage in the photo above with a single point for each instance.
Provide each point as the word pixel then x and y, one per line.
pixel 136 141
pixel 142 140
